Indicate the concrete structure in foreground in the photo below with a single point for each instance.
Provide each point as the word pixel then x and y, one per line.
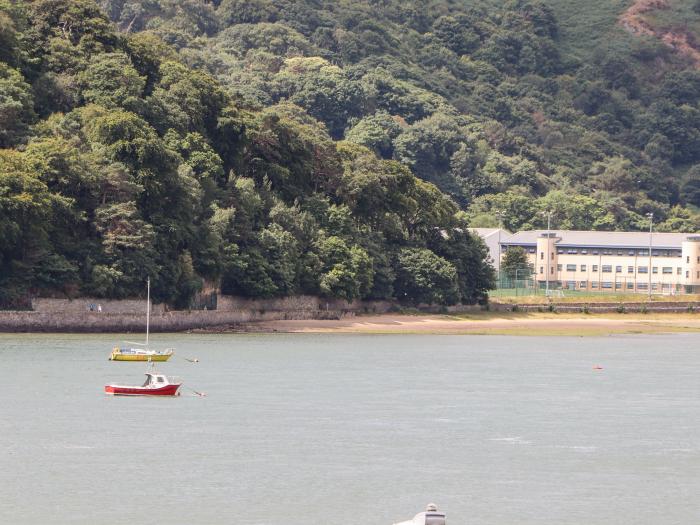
pixel 612 261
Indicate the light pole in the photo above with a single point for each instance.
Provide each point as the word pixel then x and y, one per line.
pixel 499 214
pixel 549 218
pixel 651 224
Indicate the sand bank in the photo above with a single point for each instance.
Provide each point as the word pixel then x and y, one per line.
pixel 492 323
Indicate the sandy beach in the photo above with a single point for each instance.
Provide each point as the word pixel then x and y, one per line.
pixel 489 323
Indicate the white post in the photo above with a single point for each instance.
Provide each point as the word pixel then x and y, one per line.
pixel 651 223
pixel 148 307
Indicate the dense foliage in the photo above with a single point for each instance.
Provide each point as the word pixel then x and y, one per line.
pixel 494 102
pixel 122 156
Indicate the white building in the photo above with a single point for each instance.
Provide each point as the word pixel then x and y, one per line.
pixel 606 261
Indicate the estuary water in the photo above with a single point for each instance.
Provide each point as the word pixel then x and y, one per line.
pixel 354 430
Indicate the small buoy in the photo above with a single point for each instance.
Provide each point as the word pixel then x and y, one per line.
pixel 597 367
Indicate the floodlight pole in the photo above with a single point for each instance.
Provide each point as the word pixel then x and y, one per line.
pixel 651 224
pixel 547 268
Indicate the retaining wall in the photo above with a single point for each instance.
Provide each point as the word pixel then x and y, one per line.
pixel 64 315
pixel 82 305
pixel 166 322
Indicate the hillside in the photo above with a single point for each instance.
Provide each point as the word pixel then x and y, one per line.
pixel 119 161
pixel 511 109
pixel 287 146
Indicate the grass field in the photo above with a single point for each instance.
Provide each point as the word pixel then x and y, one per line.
pixel 575 296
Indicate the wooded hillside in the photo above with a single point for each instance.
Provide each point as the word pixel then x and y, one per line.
pixel 298 146
pixel 122 160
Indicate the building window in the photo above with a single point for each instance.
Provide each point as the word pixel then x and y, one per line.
pixel 642 286
pixel 551 270
pixel 606 284
pixel 594 284
pixel 584 252
pixel 630 269
pixel 595 252
pixel 583 284
pixel 595 267
pixel 618 285
pixel 560 251
pixel 552 256
pixel 679 271
pixel 619 252
pixel 655 269
pixel 559 267
pixel 643 252
pixel 667 270
pixel 607 268
pixel 630 285
pixel 541 269
pixel 642 269
pixel 631 252
pixel 583 267
pixel 699 260
pixel 655 253
pixel 571 285
pixel 687 259
pixel 618 269
pixel 570 267
pixel 687 274
pixel 531 250
pixel 541 256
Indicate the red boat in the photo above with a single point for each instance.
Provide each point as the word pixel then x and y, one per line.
pixel 155 385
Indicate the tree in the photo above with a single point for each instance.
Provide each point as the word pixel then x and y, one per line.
pixel 514 259
pixel 27 210
pixel 111 81
pixel 470 258
pixel 423 277
pixel 347 271
pixel 376 132
pixel 16 107
pixel 690 190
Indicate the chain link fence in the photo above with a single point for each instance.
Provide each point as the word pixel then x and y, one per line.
pixel 508 286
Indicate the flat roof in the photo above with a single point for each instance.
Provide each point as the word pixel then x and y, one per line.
pixel 601 239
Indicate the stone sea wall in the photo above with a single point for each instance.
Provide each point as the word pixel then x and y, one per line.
pixel 84 304
pixel 81 315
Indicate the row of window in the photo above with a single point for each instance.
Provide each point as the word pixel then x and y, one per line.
pixel 597 251
pixel 607 268
pixel 608 285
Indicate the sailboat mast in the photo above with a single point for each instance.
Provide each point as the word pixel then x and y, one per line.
pixel 148 306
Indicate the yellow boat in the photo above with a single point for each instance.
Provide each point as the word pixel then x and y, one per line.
pixel 141 354
pixel 138 354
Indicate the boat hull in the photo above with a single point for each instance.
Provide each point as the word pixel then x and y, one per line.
pixel 139 357
pixel 119 390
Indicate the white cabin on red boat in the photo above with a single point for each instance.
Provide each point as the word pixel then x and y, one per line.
pixel 155 385
pixel 431 516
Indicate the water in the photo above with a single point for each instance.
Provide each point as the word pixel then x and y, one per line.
pixel 354 429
